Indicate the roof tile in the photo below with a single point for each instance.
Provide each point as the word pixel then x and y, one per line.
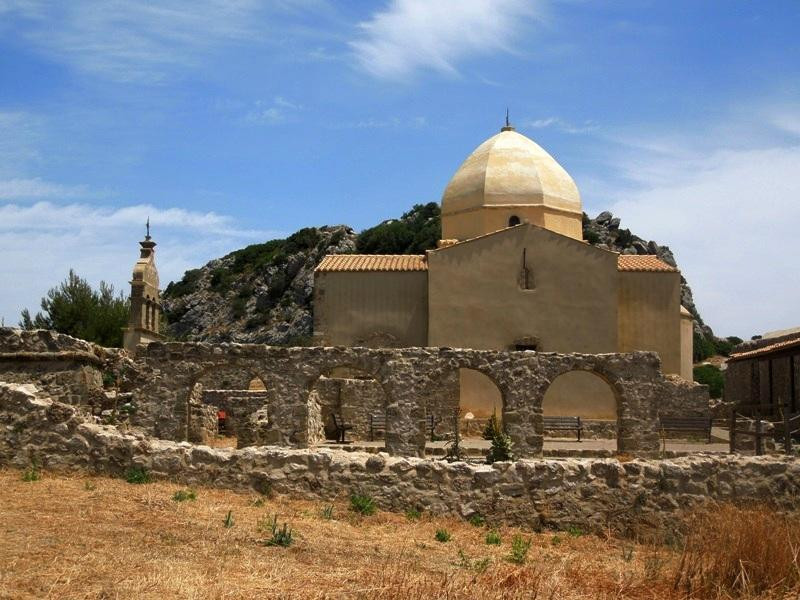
pixel 372 262
pixel 645 262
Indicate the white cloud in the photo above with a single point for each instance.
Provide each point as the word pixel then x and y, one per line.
pixel 730 215
pixel 37 188
pixel 41 242
pixel 20 136
pixel 135 41
pixel 560 124
pixel 411 35
pixel 271 113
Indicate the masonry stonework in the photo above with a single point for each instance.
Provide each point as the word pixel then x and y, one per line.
pixel 593 494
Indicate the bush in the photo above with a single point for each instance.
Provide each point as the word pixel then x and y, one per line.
pixel 492 427
pixel 327 512
pixel 413 514
pixel 279 536
pixel 740 552
pixel 415 232
pixel 519 550
pixel 591 236
pixel 712 377
pixel 184 495
pixel 493 538
pixel 137 475
pixel 31 474
pixel 362 504
pixel 187 285
pixel 477 521
pixel 702 348
pixel 442 535
pixel 500 449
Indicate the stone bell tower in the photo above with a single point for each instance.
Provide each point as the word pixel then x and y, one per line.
pixel 143 325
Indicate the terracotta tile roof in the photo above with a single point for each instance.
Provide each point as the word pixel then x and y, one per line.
pixel 776 347
pixel 372 262
pixel 645 262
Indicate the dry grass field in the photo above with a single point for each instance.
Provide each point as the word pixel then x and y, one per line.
pixel 77 536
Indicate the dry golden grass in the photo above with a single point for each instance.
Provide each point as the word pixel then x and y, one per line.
pixel 72 536
pixel 742 552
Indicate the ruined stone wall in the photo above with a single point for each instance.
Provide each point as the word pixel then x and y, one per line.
pixel 593 494
pixel 681 398
pixel 414 382
pixel 68 369
pixel 411 378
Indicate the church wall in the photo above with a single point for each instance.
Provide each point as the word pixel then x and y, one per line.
pixel 650 317
pixel 476 298
pixel 373 309
pixel 474 223
pixel 580 394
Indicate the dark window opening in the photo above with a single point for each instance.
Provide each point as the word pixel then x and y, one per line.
pixel 513 220
pixel 522 347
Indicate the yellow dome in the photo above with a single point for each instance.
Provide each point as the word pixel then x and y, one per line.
pixel 510 179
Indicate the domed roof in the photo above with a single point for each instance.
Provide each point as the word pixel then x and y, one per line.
pixel 510 169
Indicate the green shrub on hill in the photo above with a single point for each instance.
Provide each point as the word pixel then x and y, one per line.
pixel 416 231
pixel 712 377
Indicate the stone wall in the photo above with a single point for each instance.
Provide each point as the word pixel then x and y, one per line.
pixel 411 378
pixel 414 382
pixel 66 368
pixel 593 494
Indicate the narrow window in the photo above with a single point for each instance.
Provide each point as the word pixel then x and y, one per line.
pixel 513 220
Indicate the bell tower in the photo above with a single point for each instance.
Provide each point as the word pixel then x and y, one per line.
pixel 145 318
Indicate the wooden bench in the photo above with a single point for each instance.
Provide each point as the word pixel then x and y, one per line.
pixel 341 428
pixel 687 424
pixel 377 422
pixel 563 424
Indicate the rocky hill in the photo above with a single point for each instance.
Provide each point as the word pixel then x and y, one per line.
pixel 263 293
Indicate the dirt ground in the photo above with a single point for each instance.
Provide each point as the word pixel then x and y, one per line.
pixel 77 536
pixel 87 537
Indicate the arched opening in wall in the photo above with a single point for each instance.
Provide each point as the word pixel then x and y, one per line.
pixel 227 407
pixel 583 395
pixel 347 404
pixel 513 220
pixel 465 402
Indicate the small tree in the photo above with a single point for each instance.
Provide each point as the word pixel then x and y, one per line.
pixel 75 309
pixel 492 427
pixel 501 448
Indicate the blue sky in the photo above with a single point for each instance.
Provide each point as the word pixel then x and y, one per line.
pixel 229 122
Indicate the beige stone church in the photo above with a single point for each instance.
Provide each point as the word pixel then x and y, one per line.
pixel 512 272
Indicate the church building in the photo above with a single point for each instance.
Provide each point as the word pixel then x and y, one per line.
pixel 511 272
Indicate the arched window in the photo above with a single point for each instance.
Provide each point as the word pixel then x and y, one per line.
pixel 513 220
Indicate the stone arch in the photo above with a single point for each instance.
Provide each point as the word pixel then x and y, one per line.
pixel 351 390
pixel 228 391
pixel 585 381
pixel 442 393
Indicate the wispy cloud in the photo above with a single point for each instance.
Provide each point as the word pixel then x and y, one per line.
pixel 417 122
pixel 100 243
pixel 139 41
pixel 412 35
pixel 560 124
pixel 272 113
pixel 36 189
pixel 729 211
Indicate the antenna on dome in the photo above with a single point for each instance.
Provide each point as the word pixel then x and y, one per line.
pixel 507 126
